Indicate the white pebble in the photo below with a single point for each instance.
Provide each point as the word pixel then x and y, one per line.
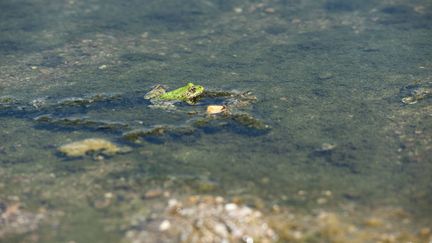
pixel 230 206
pixel 165 225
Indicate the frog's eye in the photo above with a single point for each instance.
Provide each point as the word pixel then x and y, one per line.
pixel 192 89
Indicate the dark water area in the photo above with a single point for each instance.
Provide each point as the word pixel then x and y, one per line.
pixel 329 119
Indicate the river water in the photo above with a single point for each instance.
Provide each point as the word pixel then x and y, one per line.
pixel 328 76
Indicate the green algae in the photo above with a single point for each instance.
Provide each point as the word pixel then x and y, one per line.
pixel 80 123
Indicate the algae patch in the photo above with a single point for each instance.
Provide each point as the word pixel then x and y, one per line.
pixel 91 145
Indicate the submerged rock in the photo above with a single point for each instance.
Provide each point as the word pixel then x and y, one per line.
pixel 215 109
pixel 250 121
pixel 91 145
pixel 158 130
pixel 134 135
pixel 417 95
pixel 83 122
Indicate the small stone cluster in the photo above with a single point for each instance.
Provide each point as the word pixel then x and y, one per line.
pixel 214 219
pixel 203 219
pixel 13 220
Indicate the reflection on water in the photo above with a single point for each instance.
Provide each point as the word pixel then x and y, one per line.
pixel 336 145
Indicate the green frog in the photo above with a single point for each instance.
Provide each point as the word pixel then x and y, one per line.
pixel 189 94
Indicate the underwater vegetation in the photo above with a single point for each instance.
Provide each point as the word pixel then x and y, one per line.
pixel 70 113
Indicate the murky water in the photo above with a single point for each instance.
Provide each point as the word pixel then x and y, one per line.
pixel 329 78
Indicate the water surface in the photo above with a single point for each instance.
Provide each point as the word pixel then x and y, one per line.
pixel 329 77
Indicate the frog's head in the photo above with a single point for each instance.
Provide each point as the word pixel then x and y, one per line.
pixel 193 91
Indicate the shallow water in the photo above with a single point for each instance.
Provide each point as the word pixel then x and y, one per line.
pixel 329 77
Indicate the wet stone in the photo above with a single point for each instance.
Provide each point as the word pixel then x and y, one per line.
pixel 91 145
pixel 215 109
